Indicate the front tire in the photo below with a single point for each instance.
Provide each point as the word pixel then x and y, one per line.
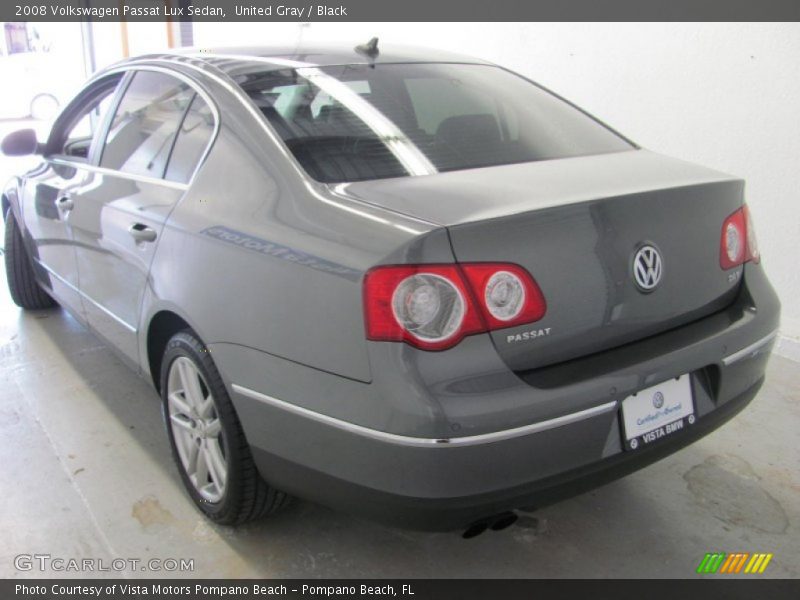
pixel 22 285
pixel 207 440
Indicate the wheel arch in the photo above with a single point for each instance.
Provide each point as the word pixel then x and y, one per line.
pixel 10 197
pixel 161 327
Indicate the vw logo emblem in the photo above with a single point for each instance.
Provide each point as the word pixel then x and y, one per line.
pixel 647 268
pixel 658 399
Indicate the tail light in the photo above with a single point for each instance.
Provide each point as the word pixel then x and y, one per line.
pixel 434 306
pixel 738 244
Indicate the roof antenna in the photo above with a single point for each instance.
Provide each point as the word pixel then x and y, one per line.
pixel 370 49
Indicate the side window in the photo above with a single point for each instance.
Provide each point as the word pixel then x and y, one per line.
pixel 144 127
pixel 193 138
pixel 79 138
pixel 75 128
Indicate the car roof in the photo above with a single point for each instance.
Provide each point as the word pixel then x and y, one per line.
pixel 327 54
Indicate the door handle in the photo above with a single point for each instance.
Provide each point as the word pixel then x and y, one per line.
pixel 142 233
pixel 65 203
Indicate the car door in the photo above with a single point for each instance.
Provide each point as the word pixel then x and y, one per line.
pixel 47 201
pixel 116 222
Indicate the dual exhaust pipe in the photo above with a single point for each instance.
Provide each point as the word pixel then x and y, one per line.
pixel 497 522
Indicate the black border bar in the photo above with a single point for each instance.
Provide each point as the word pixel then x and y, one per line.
pixel 400 10
pixel 708 588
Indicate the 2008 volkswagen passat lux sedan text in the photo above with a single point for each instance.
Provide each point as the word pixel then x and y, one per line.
pixel 410 285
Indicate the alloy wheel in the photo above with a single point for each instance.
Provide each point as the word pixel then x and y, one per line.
pixel 197 429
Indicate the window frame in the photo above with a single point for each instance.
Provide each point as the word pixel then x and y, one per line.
pixel 206 150
pixel 75 111
pixel 99 137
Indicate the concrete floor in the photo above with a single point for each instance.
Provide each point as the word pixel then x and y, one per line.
pixel 87 472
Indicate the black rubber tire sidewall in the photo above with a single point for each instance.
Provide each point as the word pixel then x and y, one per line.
pixel 25 291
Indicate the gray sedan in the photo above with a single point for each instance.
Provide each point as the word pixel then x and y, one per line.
pixel 411 285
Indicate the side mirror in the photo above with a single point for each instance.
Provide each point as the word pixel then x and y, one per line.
pixel 21 143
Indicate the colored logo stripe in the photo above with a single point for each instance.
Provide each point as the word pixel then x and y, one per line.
pixel 711 562
pixel 758 563
pixel 735 562
pixel 721 562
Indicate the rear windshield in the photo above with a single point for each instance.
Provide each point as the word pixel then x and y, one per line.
pixel 359 122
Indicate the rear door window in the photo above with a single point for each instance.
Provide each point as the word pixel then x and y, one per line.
pixel 193 139
pixel 146 123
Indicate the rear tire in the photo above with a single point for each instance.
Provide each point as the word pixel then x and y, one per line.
pixel 207 439
pixel 22 285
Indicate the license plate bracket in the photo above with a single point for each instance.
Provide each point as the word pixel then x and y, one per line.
pixel 657 412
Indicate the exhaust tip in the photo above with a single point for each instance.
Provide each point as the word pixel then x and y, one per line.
pixel 495 523
pixel 503 521
pixel 475 530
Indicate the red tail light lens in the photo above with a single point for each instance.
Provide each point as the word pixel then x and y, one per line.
pixel 428 306
pixel 738 243
pixel 507 294
pixel 434 306
pixel 752 241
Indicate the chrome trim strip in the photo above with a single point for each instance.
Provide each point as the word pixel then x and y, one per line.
pixel 748 351
pixel 405 440
pixel 275 62
pixel 134 66
pixel 125 324
pixel 121 174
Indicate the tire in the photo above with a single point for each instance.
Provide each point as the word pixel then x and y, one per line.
pixel 213 427
pixel 22 285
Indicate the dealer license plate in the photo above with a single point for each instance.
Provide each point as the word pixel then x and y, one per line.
pixel 657 411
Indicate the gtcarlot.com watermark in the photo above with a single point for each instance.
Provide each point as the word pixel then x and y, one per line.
pixel 61 564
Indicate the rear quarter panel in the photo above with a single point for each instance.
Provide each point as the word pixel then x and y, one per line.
pixel 256 255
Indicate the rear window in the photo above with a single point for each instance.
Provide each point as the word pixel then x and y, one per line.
pixel 359 122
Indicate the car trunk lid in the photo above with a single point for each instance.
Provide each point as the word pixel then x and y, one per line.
pixel 576 225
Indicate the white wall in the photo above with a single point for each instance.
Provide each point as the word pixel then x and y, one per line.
pixel 723 95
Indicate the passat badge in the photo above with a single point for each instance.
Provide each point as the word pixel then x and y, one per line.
pixel 527 335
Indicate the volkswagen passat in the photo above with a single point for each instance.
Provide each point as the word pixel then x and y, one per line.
pixel 411 285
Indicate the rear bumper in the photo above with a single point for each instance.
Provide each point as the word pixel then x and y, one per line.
pixel 563 432
pixel 438 467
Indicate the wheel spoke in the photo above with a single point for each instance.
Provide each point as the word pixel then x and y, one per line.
pixel 216 464
pixel 204 410
pixel 180 405
pixel 213 428
pixel 190 380
pixel 181 421
pixel 201 471
pixel 217 474
pixel 191 456
pixel 184 441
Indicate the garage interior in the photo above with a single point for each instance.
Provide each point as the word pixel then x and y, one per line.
pixel 88 470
